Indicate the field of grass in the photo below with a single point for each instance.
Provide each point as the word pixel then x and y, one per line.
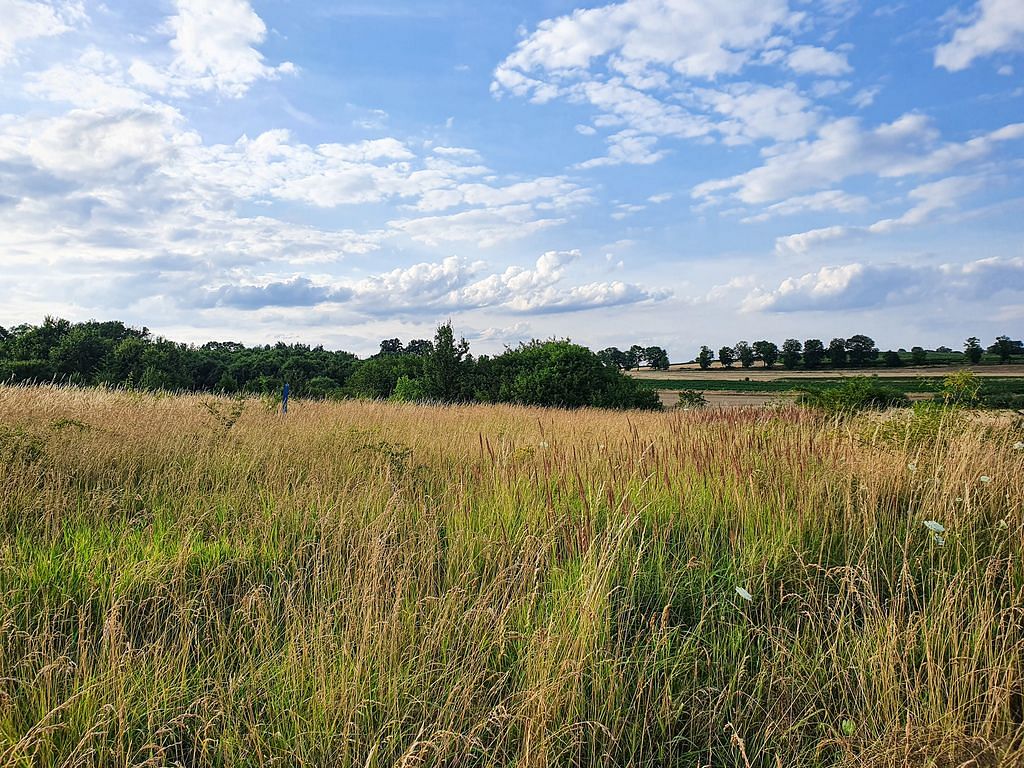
pixel 203 582
pixel 990 385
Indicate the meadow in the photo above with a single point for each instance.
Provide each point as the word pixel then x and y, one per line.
pixel 201 581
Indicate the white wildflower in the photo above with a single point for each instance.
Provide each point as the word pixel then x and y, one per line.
pixel 934 526
pixel 744 594
pixel 985 479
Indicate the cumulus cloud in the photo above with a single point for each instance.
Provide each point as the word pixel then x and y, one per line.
pixel 651 69
pixel 814 60
pixel 862 286
pixel 27 20
pixel 214 48
pixel 991 26
pixel 453 284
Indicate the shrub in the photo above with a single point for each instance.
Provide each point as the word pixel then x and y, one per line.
pixel 856 394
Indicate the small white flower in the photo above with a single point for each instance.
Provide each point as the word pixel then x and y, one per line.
pixel 985 479
pixel 939 540
pixel 912 466
pixel 543 443
pixel 1018 446
pixel 934 526
pixel 744 594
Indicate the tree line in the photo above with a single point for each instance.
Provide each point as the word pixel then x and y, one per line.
pixel 858 351
pixel 552 373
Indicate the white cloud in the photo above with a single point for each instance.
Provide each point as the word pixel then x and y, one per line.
pixel 827 200
pixel 651 68
pixel 27 20
pixel 755 112
pixel 814 60
pixel 928 199
pixel 992 26
pixel 453 284
pixel 861 286
pixel 843 149
pixel 213 42
pixel 692 38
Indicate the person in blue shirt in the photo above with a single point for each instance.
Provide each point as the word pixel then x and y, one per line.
pixel 284 398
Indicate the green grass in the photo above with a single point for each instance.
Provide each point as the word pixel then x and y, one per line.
pixel 373 584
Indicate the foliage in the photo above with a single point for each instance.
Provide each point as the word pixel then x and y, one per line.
pixel 726 356
pixel 973 350
pixel 855 394
pixel 767 352
pixel 892 359
pixel 791 353
pixel 837 352
pixel 745 354
pixel 705 358
pixel 861 350
pixel 691 398
pixel 814 353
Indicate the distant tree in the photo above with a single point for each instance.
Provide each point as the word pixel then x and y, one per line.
pixel 918 356
pixel 791 353
pixel 391 347
pixel 705 358
pixel 726 356
pixel 421 347
pixel 657 358
pixel 973 350
pixel 861 350
pixel 745 354
pixel 444 370
pixel 613 357
pixel 814 353
pixel 634 357
pixel 892 359
pixel 943 350
pixel 1006 348
pixel 837 352
pixel 767 352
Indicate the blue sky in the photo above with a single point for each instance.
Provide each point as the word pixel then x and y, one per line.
pixel 673 172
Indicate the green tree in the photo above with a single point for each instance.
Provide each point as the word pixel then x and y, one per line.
pixel 446 369
pixel 1005 348
pixel 634 357
pixel 861 350
pixel 892 359
pixel 614 357
pixel 745 354
pixel 421 347
pixel 814 353
pixel 391 347
pixel 657 358
pixel 837 352
pixel 791 353
pixel 726 356
pixel 973 350
pixel 767 352
pixel 918 356
pixel 705 358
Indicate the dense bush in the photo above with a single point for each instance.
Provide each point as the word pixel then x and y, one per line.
pixel 856 394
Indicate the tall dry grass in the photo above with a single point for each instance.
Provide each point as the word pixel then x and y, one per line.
pixel 190 581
